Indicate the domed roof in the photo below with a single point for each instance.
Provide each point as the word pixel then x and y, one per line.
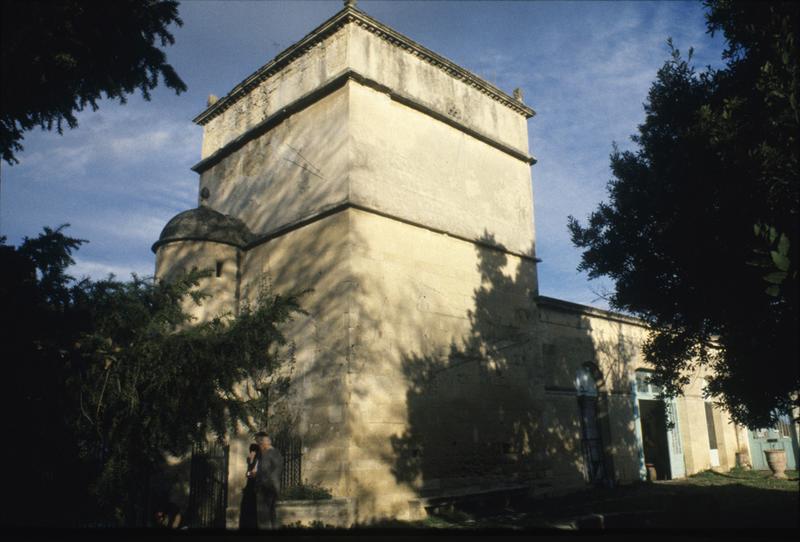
pixel 204 224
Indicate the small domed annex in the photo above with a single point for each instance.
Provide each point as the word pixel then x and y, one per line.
pixel 204 224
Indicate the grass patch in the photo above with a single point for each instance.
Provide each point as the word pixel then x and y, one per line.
pixel 749 478
pixel 736 499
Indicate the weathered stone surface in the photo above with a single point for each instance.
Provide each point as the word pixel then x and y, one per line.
pixel 397 186
pixel 352 41
pixel 180 256
pixel 204 224
pixel 327 513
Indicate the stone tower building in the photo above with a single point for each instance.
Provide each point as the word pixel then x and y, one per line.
pixel 397 185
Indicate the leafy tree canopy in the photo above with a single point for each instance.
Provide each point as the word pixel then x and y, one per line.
pixel 59 57
pixel 700 230
pixel 107 376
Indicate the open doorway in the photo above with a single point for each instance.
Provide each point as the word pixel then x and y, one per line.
pixel 657 430
pixel 654 437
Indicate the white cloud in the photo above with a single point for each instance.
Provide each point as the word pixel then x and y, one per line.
pixel 113 138
pixel 96 270
pixel 125 226
pixel 139 143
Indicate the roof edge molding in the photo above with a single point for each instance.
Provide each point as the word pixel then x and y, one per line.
pixel 332 85
pixel 352 15
pixel 588 310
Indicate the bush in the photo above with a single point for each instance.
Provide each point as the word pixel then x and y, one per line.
pixel 306 492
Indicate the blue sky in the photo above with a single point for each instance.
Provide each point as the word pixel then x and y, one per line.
pixel 585 67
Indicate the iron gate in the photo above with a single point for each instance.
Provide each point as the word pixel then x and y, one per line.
pixel 291 449
pixel 591 441
pixel 208 486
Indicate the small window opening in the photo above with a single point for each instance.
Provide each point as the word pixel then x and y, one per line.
pixel 784 426
pixel 219 268
pixel 712 430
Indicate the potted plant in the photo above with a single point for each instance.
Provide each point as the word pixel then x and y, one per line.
pixel 743 459
pixel 776 460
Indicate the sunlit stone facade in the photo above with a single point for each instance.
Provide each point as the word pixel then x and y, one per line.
pixel 397 185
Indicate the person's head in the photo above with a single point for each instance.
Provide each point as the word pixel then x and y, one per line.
pixel 254 451
pixel 263 440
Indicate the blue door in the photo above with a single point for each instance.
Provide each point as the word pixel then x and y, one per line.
pixel 780 437
pixel 676 462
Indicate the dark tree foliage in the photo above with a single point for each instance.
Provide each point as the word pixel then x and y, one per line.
pixel 60 56
pixel 700 231
pixel 105 377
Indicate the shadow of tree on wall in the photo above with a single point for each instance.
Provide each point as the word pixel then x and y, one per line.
pixel 466 415
pixel 304 238
pixel 280 183
pixel 608 350
pixel 493 411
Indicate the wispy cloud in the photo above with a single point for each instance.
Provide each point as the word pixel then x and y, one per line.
pixel 96 270
pixel 116 137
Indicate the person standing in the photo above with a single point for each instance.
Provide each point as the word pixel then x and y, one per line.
pixel 268 481
pixel 248 518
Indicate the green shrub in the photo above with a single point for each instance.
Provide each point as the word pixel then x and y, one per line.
pixel 316 524
pixel 306 492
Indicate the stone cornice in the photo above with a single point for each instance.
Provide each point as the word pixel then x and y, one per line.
pixel 586 310
pixel 332 85
pixel 334 208
pixel 155 246
pixel 352 15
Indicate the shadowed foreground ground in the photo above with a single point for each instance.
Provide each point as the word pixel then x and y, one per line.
pixel 738 499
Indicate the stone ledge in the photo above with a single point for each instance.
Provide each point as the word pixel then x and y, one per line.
pixel 587 310
pixel 338 512
pixel 333 84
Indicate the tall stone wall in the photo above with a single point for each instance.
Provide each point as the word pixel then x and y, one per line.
pixel 364 48
pixel 297 169
pixel 358 146
pixel 406 72
pixel 412 166
pixel 304 75
pixel 442 334
pixel 315 258
pixel 385 166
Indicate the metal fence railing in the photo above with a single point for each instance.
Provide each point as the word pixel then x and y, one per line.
pixel 208 486
pixel 290 447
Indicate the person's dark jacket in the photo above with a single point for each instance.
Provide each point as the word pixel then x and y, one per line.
pixel 270 469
